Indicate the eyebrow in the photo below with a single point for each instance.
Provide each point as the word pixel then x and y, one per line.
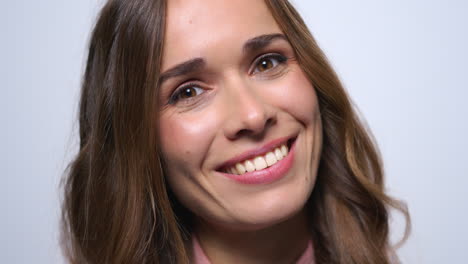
pixel 260 42
pixel 183 69
pixel 196 64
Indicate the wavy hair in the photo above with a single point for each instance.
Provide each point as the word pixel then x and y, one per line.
pixel 117 206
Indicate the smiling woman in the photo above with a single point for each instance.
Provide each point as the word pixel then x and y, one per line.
pixel 217 132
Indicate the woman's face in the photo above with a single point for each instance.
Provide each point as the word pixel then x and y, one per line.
pixel 233 97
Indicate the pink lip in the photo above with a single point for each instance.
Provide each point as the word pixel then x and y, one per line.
pixel 253 153
pixel 268 175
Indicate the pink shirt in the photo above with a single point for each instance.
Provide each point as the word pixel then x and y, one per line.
pixel 199 256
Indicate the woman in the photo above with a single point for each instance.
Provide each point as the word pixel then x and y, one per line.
pixel 217 132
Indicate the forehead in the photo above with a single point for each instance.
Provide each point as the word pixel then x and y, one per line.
pixel 197 27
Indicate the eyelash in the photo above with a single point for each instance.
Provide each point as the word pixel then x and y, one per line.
pixel 281 59
pixel 175 96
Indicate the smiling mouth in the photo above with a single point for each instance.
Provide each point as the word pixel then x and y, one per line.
pixel 260 162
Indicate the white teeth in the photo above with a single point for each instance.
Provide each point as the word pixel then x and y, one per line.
pixel 260 162
pixel 249 166
pixel 284 150
pixel 278 154
pixel 270 158
pixel 240 168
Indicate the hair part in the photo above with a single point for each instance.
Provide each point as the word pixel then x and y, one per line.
pixel 117 207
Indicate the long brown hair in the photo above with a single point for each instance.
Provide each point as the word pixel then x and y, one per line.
pixel 117 207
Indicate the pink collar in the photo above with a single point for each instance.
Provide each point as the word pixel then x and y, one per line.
pixel 199 256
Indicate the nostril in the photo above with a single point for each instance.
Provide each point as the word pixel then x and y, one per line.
pixel 242 132
pixel 245 132
pixel 270 122
pixel 257 131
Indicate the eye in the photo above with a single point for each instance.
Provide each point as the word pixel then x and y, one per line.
pixel 186 92
pixel 268 62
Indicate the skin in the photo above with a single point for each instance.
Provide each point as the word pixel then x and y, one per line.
pixel 237 105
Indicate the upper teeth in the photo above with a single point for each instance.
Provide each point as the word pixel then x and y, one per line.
pixel 260 162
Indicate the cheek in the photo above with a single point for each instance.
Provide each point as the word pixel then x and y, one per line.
pixel 298 97
pixel 185 142
pixel 185 139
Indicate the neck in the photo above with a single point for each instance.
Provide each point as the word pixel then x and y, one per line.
pixel 281 243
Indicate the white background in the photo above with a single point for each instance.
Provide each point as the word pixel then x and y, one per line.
pixel 404 63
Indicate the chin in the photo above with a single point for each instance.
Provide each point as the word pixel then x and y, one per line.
pixel 267 211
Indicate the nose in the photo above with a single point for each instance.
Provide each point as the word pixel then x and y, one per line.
pixel 250 113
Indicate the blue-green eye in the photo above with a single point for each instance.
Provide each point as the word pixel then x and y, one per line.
pixel 186 92
pixel 268 62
